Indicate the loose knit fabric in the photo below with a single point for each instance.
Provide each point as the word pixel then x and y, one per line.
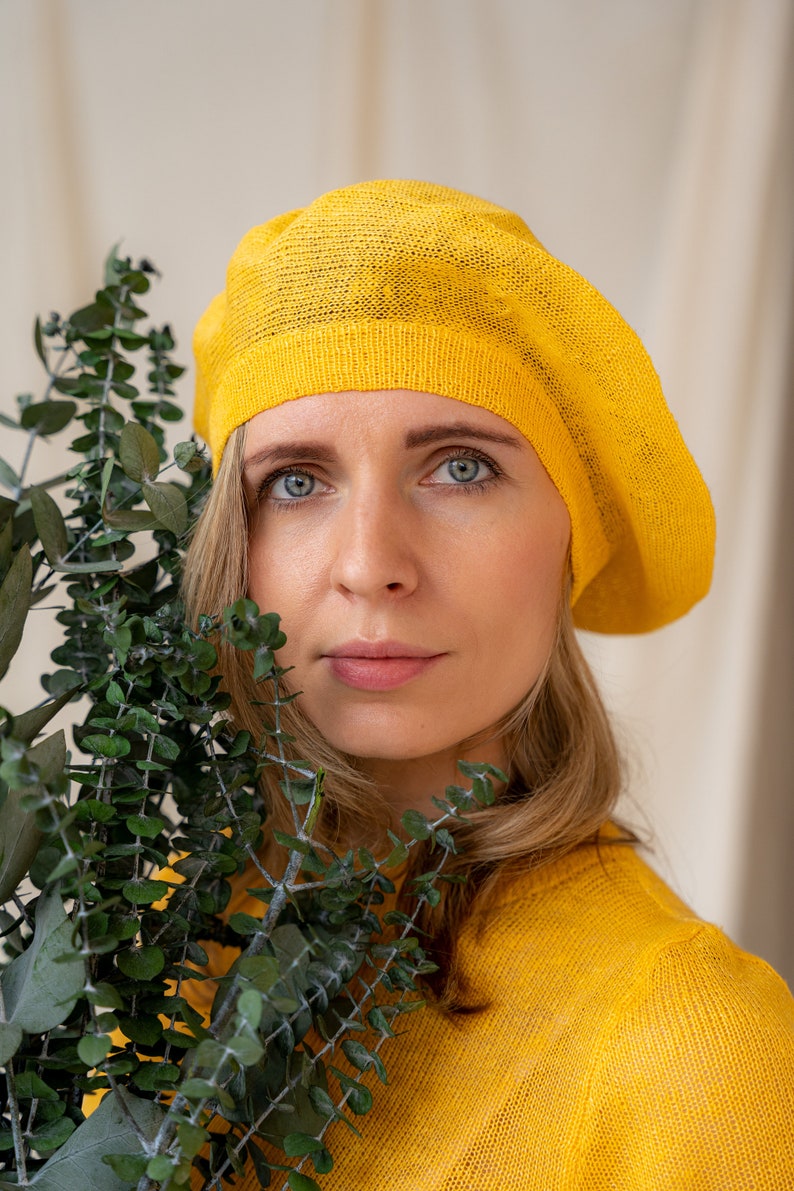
pixel 406 285
pixel 626 1046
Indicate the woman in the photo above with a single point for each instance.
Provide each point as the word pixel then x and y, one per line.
pixel 438 449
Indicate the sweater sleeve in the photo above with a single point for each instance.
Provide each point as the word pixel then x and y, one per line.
pixel 693 1087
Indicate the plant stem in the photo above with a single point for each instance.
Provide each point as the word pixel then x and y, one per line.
pixel 104 399
pixel 32 435
pixel 13 1107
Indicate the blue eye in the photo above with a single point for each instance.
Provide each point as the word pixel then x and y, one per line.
pixel 464 470
pixel 292 485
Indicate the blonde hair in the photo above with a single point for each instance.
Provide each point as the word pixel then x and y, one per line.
pixel 563 764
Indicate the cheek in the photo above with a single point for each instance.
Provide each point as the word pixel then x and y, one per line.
pixel 275 561
pixel 273 579
pixel 285 576
pixel 524 597
pixel 532 561
pixel 259 565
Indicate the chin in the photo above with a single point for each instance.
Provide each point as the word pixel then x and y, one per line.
pixel 388 740
pixel 375 747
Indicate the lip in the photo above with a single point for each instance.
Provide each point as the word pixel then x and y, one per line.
pixel 379 649
pixel 379 665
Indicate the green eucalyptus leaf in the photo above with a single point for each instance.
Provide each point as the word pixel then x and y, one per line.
pixel 302 1182
pixel 378 1020
pixel 61 681
pixel 20 835
pixel 210 1053
pixel 8 477
pixel 188 457
pixel 105 995
pixel 50 525
pixel 397 856
pixel 167 502
pixel 191 1138
pixel 160 1167
pixel 164 746
pixel 130 339
pixel 107 475
pixel 292 842
pixel 30 1087
pixel 28 725
pixel 360 1100
pixel 322 1104
pixel 52 1134
pixel 67 864
pixel 143 891
pixel 139 454
pixel 80 1164
pixel 141 963
pixel 179 1038
pixel 115 695
pixel 92 1048
pixel 10 1039
pixel 481 769
pixel 247 1051
pixel 6 535
pixel 146 826
pixel 48 417
pixel 245 924
pixel 249 1006
pixel 153 1077
pixel 261 970
pixel 145 1030
pixel 38 340
pixel 41 986
pixel 114 265
pixel 122 389
pixel 322 1161
pixel 298 1144
pixel 91 319
pixel 199 1089
pixel 14 605
pixel 129 1167
pixel 129 520
pixel 90 568
pixel 356 1054
pixel 379 1069
pixel 416 825
pixel 105 746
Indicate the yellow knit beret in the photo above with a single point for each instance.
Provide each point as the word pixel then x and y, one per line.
pixel 407 285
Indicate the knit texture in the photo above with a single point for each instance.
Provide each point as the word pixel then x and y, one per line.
pixel 406 285
pixel 626 1045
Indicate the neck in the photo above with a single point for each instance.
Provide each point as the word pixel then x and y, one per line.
pixel 411 784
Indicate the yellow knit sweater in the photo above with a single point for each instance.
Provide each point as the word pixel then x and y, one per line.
pixel 626 1045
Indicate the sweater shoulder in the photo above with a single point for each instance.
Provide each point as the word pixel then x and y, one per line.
pixel 692 1075
pixel 604 926
pixel 603 898
pixel 678 1044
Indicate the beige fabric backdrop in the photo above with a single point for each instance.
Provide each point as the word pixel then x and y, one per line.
pixel 647 144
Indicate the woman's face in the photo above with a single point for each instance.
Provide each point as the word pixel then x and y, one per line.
pixel 414 547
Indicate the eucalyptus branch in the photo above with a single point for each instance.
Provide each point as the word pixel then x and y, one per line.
pixel 167 785
pixel 34 434
pixel 103 403
pixel 14 1109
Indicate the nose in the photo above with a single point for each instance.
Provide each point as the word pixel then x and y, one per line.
pixel 375 547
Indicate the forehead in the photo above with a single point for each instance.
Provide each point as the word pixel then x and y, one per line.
pixel 412 417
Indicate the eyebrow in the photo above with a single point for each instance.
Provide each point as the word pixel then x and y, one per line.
pixel 311 452
pixel 430 434
pixel 315 452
